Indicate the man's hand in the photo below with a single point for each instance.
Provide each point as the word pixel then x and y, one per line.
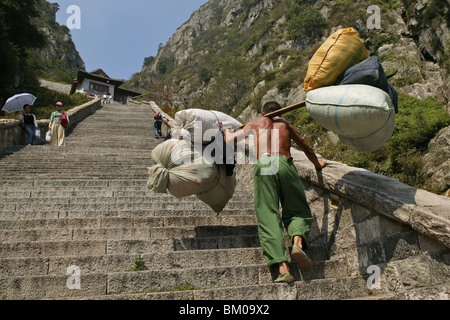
pixel 322 164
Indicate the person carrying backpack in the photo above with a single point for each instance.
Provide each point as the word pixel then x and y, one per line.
pixel 59 121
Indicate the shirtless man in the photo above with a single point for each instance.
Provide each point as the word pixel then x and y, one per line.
pixel 283 186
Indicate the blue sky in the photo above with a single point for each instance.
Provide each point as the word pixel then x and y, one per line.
pixel 117 35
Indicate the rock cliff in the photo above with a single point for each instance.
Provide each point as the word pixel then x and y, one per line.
pixel 59 60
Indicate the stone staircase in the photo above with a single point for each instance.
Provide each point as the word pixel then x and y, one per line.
pixel 78 222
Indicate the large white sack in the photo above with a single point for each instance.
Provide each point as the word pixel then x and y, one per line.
pixel 374 141
pixel 353 111
pixel 218 197
pixel 200 121
pixel 180 170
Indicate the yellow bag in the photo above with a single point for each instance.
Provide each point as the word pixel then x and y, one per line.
pixel 340 51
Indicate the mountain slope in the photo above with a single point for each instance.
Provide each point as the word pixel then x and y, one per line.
pixel 234 55
pixel 273 40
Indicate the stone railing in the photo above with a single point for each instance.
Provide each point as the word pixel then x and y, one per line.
pixel 13 135
pixel 396 236
pixel 370 220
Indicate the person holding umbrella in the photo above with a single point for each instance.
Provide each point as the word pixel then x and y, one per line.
pixel 29 124
pixel 57 126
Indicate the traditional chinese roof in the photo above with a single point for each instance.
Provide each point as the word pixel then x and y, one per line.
pixel 100 76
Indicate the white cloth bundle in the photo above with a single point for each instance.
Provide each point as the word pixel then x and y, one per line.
pixel 219 196
pixel 184 172
pixel 362 116
pixel 181 171
pixel 194 122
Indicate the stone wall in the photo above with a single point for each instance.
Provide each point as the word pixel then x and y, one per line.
pixel 364 219
pixel 395 236
pixel 12 134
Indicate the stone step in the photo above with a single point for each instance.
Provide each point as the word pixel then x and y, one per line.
pixel 47 185
pixel 320 289
pixel 124 262
pixel 148 282
pixel 78 190
pixel 107 263
pixel 6 185
pixel 74 175
pixel 101 196
pixel 38 213
pixel 96 247
pixel 113 197
pixel 142 222
pixel 123 233
pixel 144 205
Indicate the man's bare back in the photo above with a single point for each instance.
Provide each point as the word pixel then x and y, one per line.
pixel 264 130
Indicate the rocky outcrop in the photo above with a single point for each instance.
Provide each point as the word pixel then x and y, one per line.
pixel 61 48
pixel 411 42
pixel 419 55
pixel 437 162
pixel 60 54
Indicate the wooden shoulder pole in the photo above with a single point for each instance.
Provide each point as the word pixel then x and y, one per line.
pixel 283 111
pixel 286 110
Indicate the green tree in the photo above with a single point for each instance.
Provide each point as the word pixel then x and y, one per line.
pixel 305 22
pixel 231 83
pixel 148 61
pixel 17 34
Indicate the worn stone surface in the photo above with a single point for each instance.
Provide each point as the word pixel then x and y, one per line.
pixel 437 161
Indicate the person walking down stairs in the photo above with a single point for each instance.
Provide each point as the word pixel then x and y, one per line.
pixel 59 121
pixel 29 124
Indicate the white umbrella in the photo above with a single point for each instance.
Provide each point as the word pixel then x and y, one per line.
pixel 17 102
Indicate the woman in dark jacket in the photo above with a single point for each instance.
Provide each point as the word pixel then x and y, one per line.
pixel 29 123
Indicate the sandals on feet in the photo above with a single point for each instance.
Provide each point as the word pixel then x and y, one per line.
pixel 286 278
pixel 303 262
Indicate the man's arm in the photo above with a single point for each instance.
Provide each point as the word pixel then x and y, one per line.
pixel 306 148
pixel 231 136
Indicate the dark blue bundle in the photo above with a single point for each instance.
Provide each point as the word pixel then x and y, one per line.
pixel 370 72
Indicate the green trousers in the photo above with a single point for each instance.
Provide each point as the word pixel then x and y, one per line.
pixel 282 186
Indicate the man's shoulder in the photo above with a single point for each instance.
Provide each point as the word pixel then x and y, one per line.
pixel 260 122
pixel 281 120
